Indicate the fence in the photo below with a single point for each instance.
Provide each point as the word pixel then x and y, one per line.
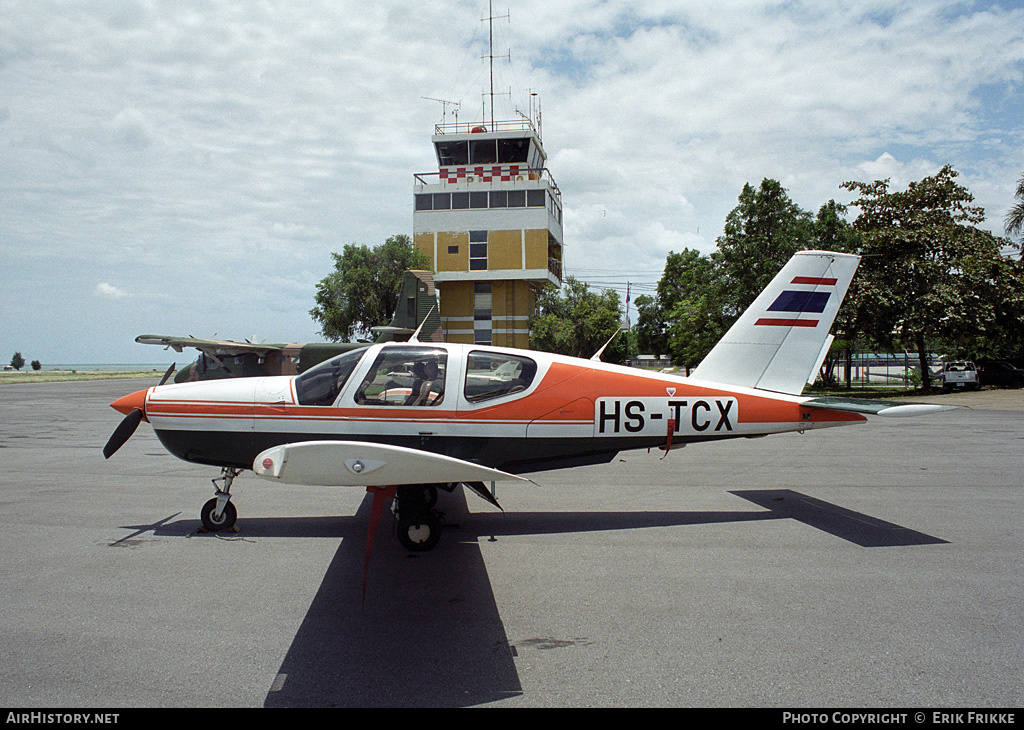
pixel 873 370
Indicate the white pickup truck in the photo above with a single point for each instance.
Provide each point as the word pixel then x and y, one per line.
pixel 960 374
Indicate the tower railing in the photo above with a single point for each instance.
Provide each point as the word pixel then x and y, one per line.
pixel 529 174
pixel 507 125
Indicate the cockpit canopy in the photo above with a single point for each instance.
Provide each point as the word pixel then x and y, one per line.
pixel 415 375
pixel 320 385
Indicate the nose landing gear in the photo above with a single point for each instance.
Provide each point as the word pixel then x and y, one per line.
pixel 219 514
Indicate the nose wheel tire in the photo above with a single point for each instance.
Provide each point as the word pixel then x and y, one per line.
pixel 226 521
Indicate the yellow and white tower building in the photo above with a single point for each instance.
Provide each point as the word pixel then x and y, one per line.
pixel 490 220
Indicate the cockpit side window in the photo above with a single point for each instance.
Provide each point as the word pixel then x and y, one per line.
pixel 405 376
pixel 320 385
pixel 493 375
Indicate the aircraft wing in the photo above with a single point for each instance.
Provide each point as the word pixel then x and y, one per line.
pixel 366 464
pixel 212 347
pixel 889 409
pixel 389 330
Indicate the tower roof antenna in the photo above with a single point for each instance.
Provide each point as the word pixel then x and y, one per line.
pixel 444 108
pixel 490 48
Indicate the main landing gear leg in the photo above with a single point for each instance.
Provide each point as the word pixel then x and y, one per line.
pixel 219 514
pixel 419 525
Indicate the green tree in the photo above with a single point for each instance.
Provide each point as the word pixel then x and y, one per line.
pixel 686 277
pixel 1014 223
pixel 577 321
pixel 761 234
pixel 833 232
pixel 1000 281
pixel 696 325
pixel 17 362
pixel 701 296
pixel 928 273
pixel 36 365
pixel 691 296
pixel 362 290
pixel 649 330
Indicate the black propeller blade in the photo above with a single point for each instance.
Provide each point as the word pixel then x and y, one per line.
pixel 123 432
pixel 127 427
pixel 167 374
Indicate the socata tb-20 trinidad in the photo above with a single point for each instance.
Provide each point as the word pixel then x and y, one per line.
pixel 404 420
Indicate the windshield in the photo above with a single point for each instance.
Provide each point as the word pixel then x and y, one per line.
pixel 320 385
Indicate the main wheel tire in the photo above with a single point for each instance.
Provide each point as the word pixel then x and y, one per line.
pixel 419 531
pixel 226 521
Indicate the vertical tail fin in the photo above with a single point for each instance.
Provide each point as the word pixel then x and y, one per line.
pixel 775 345
pixel 416 311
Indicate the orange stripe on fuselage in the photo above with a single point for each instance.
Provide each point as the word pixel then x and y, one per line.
pixel 567 384
pixel 566 394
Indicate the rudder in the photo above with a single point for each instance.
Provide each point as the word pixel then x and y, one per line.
pixel 775 345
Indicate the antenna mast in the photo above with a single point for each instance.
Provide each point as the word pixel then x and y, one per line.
pixel 444 108
pixel 490 49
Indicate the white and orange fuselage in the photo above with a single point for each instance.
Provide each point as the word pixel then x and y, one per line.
pixel 571 412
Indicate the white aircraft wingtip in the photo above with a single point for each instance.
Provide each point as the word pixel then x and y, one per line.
pixel 914 409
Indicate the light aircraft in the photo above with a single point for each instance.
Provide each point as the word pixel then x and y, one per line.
pixel 474 414
pixel 417 305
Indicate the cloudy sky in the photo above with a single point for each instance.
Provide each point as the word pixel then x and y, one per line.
pixel 188 167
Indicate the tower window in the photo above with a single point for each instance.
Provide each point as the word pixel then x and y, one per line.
pixel 483 151
pixel 452 153
pixel 478 251
pixel 513 150
pixel 482 312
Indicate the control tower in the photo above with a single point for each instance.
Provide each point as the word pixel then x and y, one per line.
pixel 490 220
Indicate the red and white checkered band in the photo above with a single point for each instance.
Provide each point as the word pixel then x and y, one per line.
pixel 482 173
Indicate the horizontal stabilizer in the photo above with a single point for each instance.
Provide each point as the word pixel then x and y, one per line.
pixel 365 464
pixel 888 409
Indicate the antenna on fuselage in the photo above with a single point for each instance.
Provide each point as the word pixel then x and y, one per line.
pixel 416 335
pixel 597 355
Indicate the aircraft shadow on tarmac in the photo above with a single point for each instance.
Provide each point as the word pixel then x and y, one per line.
pixel 428 631
pixel 855 527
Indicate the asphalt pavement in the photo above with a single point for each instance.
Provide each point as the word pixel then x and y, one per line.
pixel 872 566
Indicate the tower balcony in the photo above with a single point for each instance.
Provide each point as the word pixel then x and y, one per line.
pixel 487 187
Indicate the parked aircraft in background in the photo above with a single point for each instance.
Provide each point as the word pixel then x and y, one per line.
pixel 417 304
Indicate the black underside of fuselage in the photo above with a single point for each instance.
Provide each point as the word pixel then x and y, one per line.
pixel 513 455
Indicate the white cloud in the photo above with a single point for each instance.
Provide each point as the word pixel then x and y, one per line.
pixel 109 291
pixel 216 154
